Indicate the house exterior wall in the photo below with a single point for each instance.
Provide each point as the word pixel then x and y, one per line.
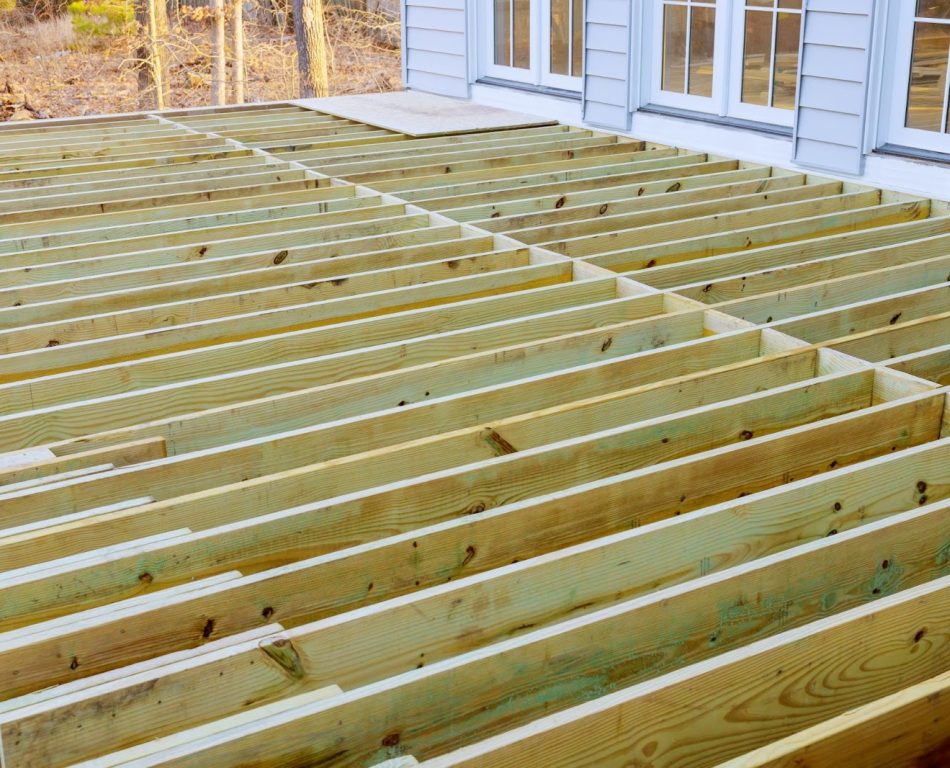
pixel 833 84
pixel 835 117
pixel 436 46
pixel 607 46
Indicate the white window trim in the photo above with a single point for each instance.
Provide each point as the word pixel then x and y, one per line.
pixel 725 101
pixel 539 73
pixel 652 55
pixel 486 46
pixel 894 79
pixel 546 76
pixel 736 107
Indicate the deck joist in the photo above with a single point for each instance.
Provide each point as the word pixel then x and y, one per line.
pixel 323 445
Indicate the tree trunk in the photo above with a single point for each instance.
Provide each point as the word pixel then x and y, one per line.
pixel 311 48
pixel 152 56
pixel 237 51
pixel 219 80
pixel 160 51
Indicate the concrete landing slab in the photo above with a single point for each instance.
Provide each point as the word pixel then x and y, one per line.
pixel 422 114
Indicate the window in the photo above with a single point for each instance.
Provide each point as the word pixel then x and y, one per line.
pixel 537 42
pixel 512 34
pixel 566 45
pixel 768 67
pixel 684 53
pixel 736 58
pixel 918 114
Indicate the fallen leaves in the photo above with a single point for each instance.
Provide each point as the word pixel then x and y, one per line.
pixel 49 76
pixel 15 105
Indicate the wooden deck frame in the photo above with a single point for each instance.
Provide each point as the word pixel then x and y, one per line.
pixel 750 527
pixel 861 632
pixel 263 364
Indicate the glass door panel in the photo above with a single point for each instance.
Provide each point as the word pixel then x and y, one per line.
pixel 577 35
pixel 567 37
pixel 502 33
pixel 561 40
pixel 788 33
pixel 757 58
pixel 687 29
pixel 730 58
pixel 927 86
pixel 521 34
pixel 765 62
pixel 919 111
pixel 563 44
pixel 702 48
pixel 537 42
pixel 675 22
pixel 512 33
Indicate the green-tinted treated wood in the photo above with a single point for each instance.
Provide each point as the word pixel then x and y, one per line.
pixel 840 291
pixel 876 646
pixel 536 593
pixel 630 199
pixel 309 408
pixel 538 467
pixel 703 246
pixel 644 402
pixel 932 364
pixel 389 235
pixel 682 172
pixel 479 318
pixel 459 186
pixel 907 729
pixel 220 296
pixel 505 685
pixel 888 341
pixel 295 596
pixel 127 336
pixel 101 222
pixel 741 262
pixel 469 476
pixel 875 313
pixel 827 267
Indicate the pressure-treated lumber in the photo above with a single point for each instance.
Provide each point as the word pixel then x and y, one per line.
pixel 605 452
pixel 568 582
pixel 644 402
pixel 523 373
pixel 882 732
pixel 321 443
pixel 785 671
pixel 293 595
pixel 608 650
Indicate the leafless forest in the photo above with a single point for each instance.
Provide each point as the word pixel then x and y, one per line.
pixel 60 58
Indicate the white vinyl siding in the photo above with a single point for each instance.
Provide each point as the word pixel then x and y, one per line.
pixel 833 85
pixel 607 43
pixel 435 46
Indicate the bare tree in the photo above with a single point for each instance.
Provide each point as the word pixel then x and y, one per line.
pixel 238 75
pixel 152 55
pixel 219 80
pixel 312 52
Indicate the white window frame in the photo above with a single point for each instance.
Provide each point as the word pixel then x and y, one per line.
pixel 538 74
pixel 486 45
pixel 547 77
pixel 727 68
pixel 738 108
pixel 653 62
pixel 894 85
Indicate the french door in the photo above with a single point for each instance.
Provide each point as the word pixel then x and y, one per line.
pixel 736 58
pixel 537 42
pixel 918 113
